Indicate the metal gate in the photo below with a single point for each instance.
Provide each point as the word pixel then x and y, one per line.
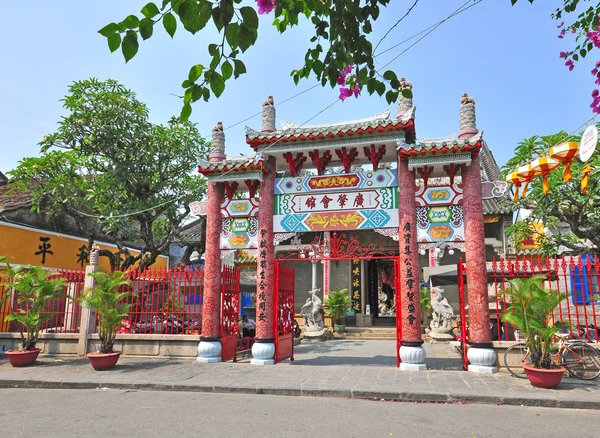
pixel 464 332
pixel 284 312
pixel 230 312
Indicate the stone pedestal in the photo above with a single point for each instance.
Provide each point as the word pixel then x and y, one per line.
pixel 209 352
pixel 482 360
pixel 263 353
pixel 413 358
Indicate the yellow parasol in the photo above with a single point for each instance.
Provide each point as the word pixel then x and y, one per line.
pixel 544 166
pixel 565 152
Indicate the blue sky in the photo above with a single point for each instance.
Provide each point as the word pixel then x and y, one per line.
pixel 505 57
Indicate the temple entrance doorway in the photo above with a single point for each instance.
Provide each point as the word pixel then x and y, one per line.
pixel 369 273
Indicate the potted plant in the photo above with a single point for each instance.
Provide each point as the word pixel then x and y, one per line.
pixel 107 300
pixel 337 305
pixel 530 311
pixel 35 288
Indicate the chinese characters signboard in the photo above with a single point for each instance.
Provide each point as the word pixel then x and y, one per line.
pixel 410 271
pixel 355 279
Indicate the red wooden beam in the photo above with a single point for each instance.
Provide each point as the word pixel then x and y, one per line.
pixel 295 163
pixel 425 173
pixel 252 187
pixel 374 155
pixel 347 157
pixel 320 162
pixel 230 189
pixel 451 170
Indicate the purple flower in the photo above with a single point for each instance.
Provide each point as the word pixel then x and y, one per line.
pixel 356 91
pixel 573 30
pixel 265 6
pixel 570 64
pixel 564 55
pixel 344 93
pixel 341 80
pixel 595 94
pixel 560 25
pixel 347 70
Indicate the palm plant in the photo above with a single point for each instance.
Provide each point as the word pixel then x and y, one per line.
pixel 530 311
pixel 108 302
pixel 337 304
pixel 35 289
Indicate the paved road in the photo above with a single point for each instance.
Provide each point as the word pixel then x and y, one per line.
pixel 115 413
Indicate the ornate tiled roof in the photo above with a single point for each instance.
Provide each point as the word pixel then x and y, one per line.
pixel 442 147
pixel 14 200
pixel 235 164
pixel 497 206
pixel 295 133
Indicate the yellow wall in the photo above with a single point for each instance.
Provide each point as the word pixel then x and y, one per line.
pixel 21 244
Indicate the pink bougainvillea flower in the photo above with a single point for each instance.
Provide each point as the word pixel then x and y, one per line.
pixel 562 33
pixel 347 70
pixel 344 93
pixel 341 80
pixel 573 30
pixel 265 6
pixel 560 25
pixel 564 55
pixel 570 64
pixel 356 91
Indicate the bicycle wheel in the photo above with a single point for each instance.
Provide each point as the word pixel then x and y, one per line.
pixel 514 358
pixel 589 369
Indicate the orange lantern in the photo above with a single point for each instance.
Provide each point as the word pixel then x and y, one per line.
pixel 516 180
pixel 565 153
pixel 544 166
pixel 526 173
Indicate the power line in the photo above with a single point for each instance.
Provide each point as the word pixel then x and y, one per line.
pixel 396 24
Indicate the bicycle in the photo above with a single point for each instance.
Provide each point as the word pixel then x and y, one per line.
pixel 580 359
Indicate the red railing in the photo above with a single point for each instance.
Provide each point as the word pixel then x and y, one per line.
pixel 63 311
pixel 577 277
pixel 165 301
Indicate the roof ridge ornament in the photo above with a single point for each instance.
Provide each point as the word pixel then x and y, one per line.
pixel 268 115
pixel 468 123
pixel 404 103
pixel 217 148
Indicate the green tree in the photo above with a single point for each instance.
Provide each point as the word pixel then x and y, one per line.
pixel 340 41
pixel 115 172
pixel 565 204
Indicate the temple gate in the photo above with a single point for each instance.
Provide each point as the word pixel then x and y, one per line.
pixel 319 180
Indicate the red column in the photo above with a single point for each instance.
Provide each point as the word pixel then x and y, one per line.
pixel 479 312
pixel 409 258
pixel 265 324
pixel 211 310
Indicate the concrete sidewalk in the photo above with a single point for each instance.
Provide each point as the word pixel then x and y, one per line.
pixel 316 372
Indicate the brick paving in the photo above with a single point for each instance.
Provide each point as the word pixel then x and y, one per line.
pixel 352 369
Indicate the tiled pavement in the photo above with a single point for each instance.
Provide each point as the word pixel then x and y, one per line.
pixel 357 369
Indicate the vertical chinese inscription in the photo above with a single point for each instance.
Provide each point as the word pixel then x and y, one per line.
pixel 356 285
pixel 44 248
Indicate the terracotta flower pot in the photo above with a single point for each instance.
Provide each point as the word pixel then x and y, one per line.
pixel 102 362
pixel 542 378
pixel 22 358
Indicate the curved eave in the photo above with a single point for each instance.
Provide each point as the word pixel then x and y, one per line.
pixel 237 169
pixel 408 127
pixel 442 149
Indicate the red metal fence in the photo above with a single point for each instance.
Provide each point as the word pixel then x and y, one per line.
pixel 64 313
pixel 577 277
pixel 165 301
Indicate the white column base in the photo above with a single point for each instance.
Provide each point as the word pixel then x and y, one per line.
pixel 482 360
pixel 413 366
pixel 209 352
pixel 482 369
pixel 413 358
pixel 263 353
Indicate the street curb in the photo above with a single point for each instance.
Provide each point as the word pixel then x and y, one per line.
pixel 412 397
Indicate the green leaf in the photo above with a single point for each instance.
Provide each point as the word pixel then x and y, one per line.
pixel 114 41
pixel 391 96
pixel 195 72
pixel 131 22
pixel 250 17
pixel 204 15
pixel 226 70
pixel 205 94
pixel 150 10
pixel 146 28
pixel 407 93
pixel 217 84
pixel 130 45
pixel 246 38
pixel 390 75
pixel 380 88
pixel 186 84
pixel 233 30
pixel 196 92
pixel 186 111
pixel 109 29
pixel 170 24
pixel 239 68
